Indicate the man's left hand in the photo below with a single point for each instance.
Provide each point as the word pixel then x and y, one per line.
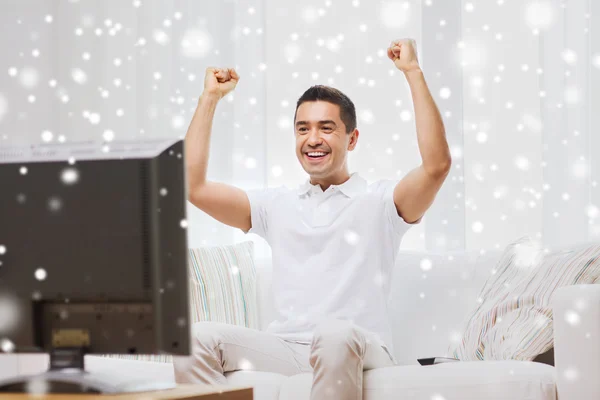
pixel 403 53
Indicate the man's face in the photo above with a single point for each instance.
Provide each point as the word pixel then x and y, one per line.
pixel 322 143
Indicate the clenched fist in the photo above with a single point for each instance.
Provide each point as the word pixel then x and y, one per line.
pixel 403 53
pixel 220 81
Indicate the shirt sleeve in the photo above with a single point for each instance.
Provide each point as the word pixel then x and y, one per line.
pixel 398 224
pixel 260 204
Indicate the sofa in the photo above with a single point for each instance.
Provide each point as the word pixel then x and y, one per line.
pixel 428 306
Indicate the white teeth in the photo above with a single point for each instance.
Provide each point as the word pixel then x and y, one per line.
pixel 317 154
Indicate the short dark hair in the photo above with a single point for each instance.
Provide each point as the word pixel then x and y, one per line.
pixel 334 96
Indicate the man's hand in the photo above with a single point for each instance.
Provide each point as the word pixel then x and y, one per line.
pixel 403 53
pixel 220 81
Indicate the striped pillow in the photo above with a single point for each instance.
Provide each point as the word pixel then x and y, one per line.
pixel 513 320
pixel 222 289
pixel 223 285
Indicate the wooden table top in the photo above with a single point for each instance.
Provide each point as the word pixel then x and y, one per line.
pixel 187 392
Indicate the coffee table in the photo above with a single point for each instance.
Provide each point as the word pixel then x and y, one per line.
pixel 182 392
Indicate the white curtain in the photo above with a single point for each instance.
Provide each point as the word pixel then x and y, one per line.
pixel 516 83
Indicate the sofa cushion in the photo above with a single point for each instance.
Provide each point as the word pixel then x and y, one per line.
pixel 513 319
pixel 222 289
pixel 468 380
pixel 432 294
pixel 265 385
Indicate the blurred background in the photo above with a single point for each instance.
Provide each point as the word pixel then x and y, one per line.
pixel 517 83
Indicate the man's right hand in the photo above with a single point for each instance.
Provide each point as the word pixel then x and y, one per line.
pixel 220 81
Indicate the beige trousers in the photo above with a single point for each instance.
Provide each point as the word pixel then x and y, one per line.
pixel 339 353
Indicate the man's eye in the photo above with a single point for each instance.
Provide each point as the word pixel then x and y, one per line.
pixel 326 128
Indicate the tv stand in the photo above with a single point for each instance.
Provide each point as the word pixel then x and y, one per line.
pixel 66 374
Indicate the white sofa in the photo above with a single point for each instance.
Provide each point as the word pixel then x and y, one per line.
pixel 427 309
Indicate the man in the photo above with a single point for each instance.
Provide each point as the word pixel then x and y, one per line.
pixel 334 240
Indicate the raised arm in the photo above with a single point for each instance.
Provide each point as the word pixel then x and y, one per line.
pixel 225 203
pixel 415 193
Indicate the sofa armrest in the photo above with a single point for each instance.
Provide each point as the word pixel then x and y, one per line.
pixel 577 341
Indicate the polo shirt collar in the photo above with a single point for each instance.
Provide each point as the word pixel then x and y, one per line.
pixel 352 187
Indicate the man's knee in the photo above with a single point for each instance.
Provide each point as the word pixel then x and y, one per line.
pixel 338 336
pixel 207 334
pixel 202 366
pixel 204 340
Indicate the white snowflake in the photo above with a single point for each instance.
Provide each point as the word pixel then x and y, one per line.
pixel 161 37
pixel 250 163
pixel 579 169
pixel 29 77
pixel 569 56
pixel 394 14
pixel 366 116
pixel 40 274
pixel 54 204
pixel 108 135
pixel 522 163
pixel 7 346
pixel 596 61
pixel 333 44
pixel 69 176
pixel 351 237
pixel 310 15
pixel 592 211
pixel 178 122
pixel 37 386
pixel 79 76
pixel 445 93
pixel 572 318
pixel 426 264
pixel 292 52
pixel 284 122
pixel 539 14
pixel 196 43
pixel 406 115
pixel 481 137
pixel 94 118
pixel 532 123
pixel 277 171
pixel 571 374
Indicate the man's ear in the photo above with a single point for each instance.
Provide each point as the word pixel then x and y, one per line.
pixel 353 139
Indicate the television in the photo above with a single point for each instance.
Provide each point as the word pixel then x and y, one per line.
pixel 93 258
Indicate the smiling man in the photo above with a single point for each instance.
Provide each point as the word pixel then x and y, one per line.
pixel 334 240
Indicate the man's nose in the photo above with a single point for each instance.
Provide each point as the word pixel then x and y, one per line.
pixel 314 138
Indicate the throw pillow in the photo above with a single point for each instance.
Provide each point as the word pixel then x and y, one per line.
pixel 513 319
pixel 222 283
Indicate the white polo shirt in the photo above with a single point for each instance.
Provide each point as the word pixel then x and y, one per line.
pixel 333 253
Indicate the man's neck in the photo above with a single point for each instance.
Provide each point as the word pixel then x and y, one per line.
pixel 330 180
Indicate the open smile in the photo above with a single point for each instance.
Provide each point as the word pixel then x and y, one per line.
pixel 316 156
